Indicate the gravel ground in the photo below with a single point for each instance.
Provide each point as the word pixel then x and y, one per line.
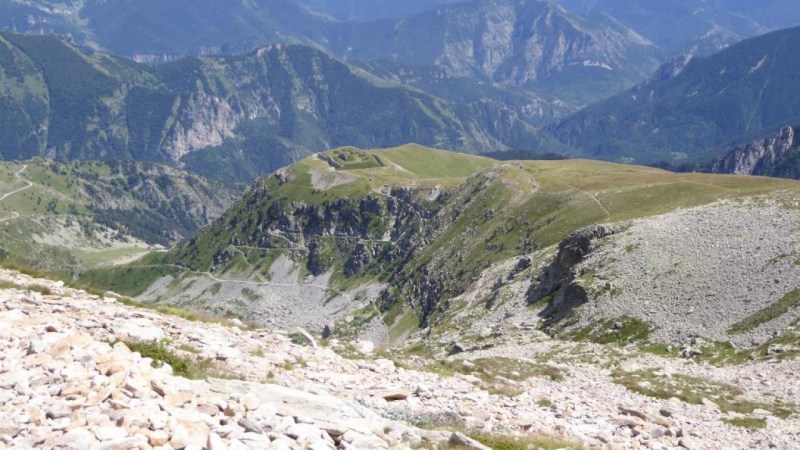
pixel 69 330
pixel 698 271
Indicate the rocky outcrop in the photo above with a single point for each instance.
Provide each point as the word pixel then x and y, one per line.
pixel 557 283
pixel 358 260
pixel 700 271
pixel 671 68
pixel 758 157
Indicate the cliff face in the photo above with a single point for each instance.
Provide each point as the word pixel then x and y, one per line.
pixel 758 157
pixel 671 68
pixel 510 42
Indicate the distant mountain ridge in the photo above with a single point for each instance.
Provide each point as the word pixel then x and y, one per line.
pixel 233 118
pixel 542 60
pixel 713 104
pixel 504 41
pixel 363 10
pixel 531 44
pixel 683 26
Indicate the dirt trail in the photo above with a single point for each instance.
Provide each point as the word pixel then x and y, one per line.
pixel 593 197
pixel 28 185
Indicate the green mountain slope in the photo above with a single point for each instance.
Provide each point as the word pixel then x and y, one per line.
pixel 234 118
pixel 60 216
pixel 740 93
pixel 382 241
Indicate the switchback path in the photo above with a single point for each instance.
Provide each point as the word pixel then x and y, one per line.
pixel 28 185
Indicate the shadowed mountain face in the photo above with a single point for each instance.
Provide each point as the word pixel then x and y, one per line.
pixel 744 92
pixel 234 118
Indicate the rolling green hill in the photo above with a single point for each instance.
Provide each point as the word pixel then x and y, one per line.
pixel 224 117
pixel 411 235
pixel 747 91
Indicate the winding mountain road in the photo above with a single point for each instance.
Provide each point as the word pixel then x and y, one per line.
pixel 246 282
pixel 28 185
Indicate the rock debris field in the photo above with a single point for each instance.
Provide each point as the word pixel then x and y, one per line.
pixel 701 270
pixel 68 380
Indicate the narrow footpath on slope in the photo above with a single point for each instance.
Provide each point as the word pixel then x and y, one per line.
pixel 28 185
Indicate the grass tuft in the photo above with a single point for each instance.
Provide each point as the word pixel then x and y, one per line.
pixel 159 352
pixel 751 423
pixel 789 302
pixel 506 442
pixel 693 390
pixel 622 331
pixel 499 376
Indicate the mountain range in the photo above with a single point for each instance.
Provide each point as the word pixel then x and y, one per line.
pixel 565 58
pixel 495 202
pixel 240 117
pixel 697 111
pixel 479 76
pixel 226 117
